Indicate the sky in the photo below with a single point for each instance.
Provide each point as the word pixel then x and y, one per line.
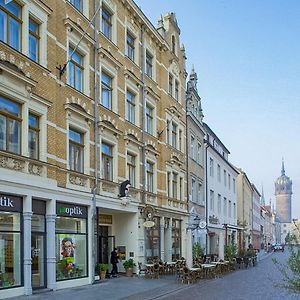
pixel 247 57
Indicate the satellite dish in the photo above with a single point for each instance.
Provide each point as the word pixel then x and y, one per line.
pixel 202 224
pixel 148 224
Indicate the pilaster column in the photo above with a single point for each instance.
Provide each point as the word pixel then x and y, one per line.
pixel 170 240
pixel 162 238
pixel 51 258
pixel 27 215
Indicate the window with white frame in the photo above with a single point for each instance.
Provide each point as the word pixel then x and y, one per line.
pixel 131 167
pixel 76 70
pixel 219 172
pixel 149 64
pixel 180 139
pixel 168 132
pixel 77 4
pixel 233 184
pixel 174 135
pixel 219 204
pixel 229 208
pixel 34 40
pixel 225 207
pixel 194 190
pixel 11 24
pixel 229 181
pixel 199 153
pixel 130 107
pixel 107 161
pixel 150 176
pixel 130 45
pixel 76 150
pixel 225 179
pixel 212 200
pixel 181 189
pixel 192 147
pixel 211 167
pixel 106 90
pixel 176 89
pixel 149 119
pixel 10 126
pixel 174 185
pixel 33 136
pixel 106 23
pixel 200 199
pixel 234 211
pixel 171 84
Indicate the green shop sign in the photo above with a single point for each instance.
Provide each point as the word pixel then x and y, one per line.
pixel 63 209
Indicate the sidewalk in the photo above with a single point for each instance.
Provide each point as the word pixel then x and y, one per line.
pixel 117 288
pixel 263 254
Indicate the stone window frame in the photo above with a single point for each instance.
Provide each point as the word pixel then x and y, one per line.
pixel 133 88
pixel 152 51
pixel 152 104
pixel 129 27
pixel 111 7
pixel 84 7
pixel 134 151
pixel 171 170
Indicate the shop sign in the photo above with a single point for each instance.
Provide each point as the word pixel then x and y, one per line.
pixel 213 220
pixel 63 209
pixel 105 219
pixel 10 203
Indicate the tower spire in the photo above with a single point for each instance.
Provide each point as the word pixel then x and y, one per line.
pixel 282 168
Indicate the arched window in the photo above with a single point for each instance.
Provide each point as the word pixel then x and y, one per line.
pixel 173 44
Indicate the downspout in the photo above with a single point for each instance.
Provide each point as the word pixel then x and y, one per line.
pixel 94 213
pixel 206 201
pixel 144 114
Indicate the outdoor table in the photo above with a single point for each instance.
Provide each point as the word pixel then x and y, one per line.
pixel 207 268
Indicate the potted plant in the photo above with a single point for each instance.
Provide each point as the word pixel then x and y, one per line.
pixel 102 269
pixel 128 265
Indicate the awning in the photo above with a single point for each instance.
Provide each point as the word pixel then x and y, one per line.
pixel 233 226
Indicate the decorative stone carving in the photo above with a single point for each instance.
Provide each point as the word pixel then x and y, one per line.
pixel 10 163
pixel 77 180
pixel 35 169
pixel 2 55
pixel 108 187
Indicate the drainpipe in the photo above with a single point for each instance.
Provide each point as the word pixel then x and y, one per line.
pixel 144 113
pixel 94 215
pixel 206 201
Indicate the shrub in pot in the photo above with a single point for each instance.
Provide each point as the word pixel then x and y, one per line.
pixel 128 265
pixel 102 269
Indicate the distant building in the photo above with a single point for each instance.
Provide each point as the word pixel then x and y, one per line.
pixel 256 238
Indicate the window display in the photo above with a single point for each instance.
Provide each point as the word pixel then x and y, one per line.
pixel 71 242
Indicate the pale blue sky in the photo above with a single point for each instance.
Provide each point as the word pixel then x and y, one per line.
pixel 247 57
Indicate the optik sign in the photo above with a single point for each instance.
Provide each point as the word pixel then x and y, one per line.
pixel 63 209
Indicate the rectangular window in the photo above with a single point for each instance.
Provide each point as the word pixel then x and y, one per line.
pixel 10 126
pixel 34 40
pixel 229 209
pixel 219 204
pixel 192 147
pixel 106 24
pixel 130 46
pixel 149 64
pixel 199 153
pixel 233 184
pixel 130 107
pixel 10 24
pixel 176 239
pixel 229 181
pixel 77 4
pixel 225 207
pixel 131 168
pixel 106 90
pixel 194 189
pixel 212 200
pixel 150 177
pixel 76 70
pixel 234 211
pixel 211 167
pixel 170 84
pixel 107 161
pixel 10 249
pixel 168 132
pixel 176 90
pixel 149 119
pixel 225 179
pixel 169 184
pixel 33 136
pixel 76 147
pixel 200 199
pixel 174 135
pixel 181 189
pixel 175 184
pixel 152 243
pixel 180 139
pixel 219 173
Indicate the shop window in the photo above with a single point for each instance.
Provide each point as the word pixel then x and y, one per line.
pixel 10 126
pixel 76 70
pixel 10 24
pixel 71 242
pixel 107 161
pixel 76 147
pixel 176 239
pixel 130 46
pixel 33 136
pixel 130 107
pixel 153 240
pixel 106 90
pixel 106 24
pixel 10 242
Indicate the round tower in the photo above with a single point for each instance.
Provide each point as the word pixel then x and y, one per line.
pixel 283 193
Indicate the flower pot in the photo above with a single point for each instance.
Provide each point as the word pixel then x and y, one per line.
pixel 129 272
pixel 102 275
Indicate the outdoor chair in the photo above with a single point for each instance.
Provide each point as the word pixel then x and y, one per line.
pixel 142 269
pixel 156 269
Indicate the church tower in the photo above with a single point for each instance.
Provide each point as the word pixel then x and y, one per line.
pixel 283 193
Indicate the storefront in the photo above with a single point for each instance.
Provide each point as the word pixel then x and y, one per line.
pixel 11 270
pixel 71 241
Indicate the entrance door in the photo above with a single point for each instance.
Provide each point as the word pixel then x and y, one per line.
pixel 38 260
pixel 106 246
